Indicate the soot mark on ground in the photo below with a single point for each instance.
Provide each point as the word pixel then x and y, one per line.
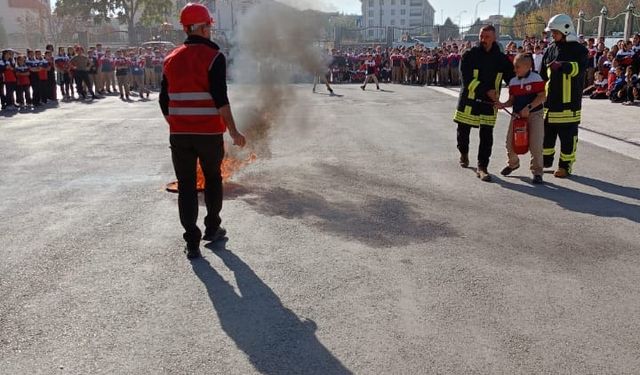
pixel 375 221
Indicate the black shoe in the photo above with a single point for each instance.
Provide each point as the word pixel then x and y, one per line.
pixel 193 252
pixel 537 179
pixel 219 234
pixel 508 170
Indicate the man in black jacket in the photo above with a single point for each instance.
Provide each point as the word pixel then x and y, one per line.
pixel 483 68
pixel 563 67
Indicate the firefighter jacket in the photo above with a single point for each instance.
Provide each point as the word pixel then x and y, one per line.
pixel 187 98
pixel 564 85
pixel 482 71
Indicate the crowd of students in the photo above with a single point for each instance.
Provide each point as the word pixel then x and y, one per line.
pixel 37 78
pixel 413 65
pixel 612 73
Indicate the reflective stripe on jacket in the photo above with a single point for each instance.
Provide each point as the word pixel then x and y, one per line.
pixel 192 109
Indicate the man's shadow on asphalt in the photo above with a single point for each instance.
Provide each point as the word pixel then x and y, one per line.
pixel 577 201
pixel 274 338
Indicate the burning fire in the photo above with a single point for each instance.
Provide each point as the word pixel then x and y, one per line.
pixel 230 165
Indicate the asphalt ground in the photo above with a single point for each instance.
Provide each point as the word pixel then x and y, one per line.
pixel 359 246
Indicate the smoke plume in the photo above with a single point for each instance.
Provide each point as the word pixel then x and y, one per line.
pixel 274 45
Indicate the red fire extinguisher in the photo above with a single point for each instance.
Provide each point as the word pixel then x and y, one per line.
pixel 520 135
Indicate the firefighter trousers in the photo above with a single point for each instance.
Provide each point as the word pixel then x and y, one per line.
pixel 568 135
pixel 186 150
pixel 486 143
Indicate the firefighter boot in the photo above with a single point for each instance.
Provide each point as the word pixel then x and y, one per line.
pixel 464 160
pixel 561 173
pixel 483 174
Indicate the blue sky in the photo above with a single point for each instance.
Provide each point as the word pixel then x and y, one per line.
pixel 450 8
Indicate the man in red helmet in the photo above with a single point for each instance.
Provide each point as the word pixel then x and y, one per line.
pixel 194 101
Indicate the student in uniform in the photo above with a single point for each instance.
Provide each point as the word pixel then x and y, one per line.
pixel 10 80
pixel 370 64
pixel 122 74
pixel 23 95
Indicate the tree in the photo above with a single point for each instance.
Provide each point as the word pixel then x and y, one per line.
pixel 126 11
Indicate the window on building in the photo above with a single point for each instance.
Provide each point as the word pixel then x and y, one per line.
pixel 403 22
pixel 381 2
pixel 393 22
pixel 371 3
pixel 393 2
pixel 403 12
pixel 393 12
pixel 403 2
pixel 370 13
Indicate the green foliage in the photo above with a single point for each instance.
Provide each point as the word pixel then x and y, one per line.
pixel 149 12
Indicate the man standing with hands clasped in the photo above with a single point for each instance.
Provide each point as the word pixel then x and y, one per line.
pixel 194 101
pixel 483 69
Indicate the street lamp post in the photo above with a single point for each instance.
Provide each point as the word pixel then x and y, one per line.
pixel 460 20
pixel 475 15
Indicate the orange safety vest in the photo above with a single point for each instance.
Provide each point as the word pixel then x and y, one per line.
pixel 192 109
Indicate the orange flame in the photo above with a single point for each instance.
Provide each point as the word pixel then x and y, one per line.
pixel 229 167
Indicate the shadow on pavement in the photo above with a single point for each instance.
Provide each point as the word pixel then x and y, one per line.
pixel 377 222
pixel 274 338
pixel 608 187
pixel 577 201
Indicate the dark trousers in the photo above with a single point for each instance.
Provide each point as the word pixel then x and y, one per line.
pixel 10 88
pixel 36 92
pixel 22 93
pixel 186 150
pixel 486 143
pixel 81 78
pixel 568 135
pixel 52 89
pixel 3 99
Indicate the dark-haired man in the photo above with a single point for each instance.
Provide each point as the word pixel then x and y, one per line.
pixel 483 69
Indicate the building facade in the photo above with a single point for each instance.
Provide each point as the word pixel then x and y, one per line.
pixel 23 16
pixel 404 14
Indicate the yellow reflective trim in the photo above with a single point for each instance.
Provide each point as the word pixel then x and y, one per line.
pixel 575 69
pixel 466 117
pixel 546 86
pixel 566 88
pixel 498 80
pixel 474 84
pixel 564 117
pixel 549 151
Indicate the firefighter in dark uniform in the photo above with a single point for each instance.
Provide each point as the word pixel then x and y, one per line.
pixel 563 67
pixel 483 68
pixel 194 101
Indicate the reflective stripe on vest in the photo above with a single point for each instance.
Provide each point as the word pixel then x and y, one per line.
pixel 187 111
pixel 192 108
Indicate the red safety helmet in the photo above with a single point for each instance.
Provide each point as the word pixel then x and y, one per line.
pixel 195 14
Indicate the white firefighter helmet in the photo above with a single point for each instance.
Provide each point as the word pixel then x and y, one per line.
pixel 564 24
